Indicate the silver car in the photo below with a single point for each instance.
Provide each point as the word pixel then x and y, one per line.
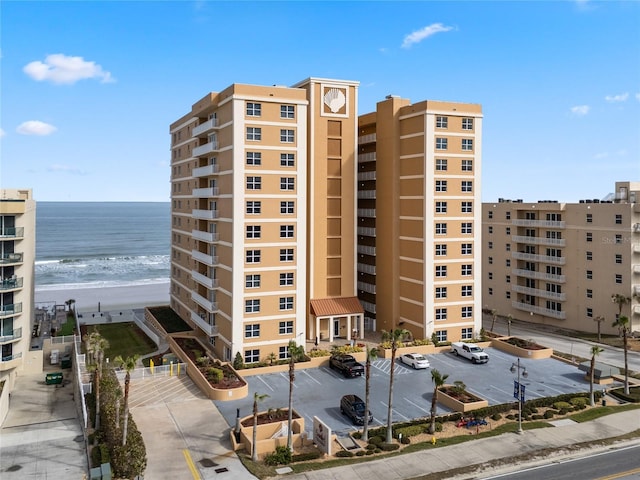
pixel 416 360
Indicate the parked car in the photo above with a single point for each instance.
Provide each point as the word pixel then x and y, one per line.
pixel 346 364
pixel 470 351
pixel 416 360
pixel 353 407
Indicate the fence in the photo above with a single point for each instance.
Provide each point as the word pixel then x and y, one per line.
pixel 171 370
pixel 81 373
pixel 63 339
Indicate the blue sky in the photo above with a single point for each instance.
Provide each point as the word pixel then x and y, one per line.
pixel 89 89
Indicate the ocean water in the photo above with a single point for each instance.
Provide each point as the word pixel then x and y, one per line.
pixel 93 244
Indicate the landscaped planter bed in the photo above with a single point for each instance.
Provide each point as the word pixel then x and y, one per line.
pixel 459 400
pixel 521 348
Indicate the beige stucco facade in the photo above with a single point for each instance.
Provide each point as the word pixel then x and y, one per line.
pixel 560 263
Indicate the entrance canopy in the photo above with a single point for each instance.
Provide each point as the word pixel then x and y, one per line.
pixel 334 315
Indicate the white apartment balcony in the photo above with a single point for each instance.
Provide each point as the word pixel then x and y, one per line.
pixel 539 310
pixel 367 212
pixel 366 250
pixel 205 214
pixel 205 149
pixel 367 157
pixel 210 330
pixel 12 337
pixel 367 231
pixel 367 287
pixel 205 171
pixel 205 236
pixel 11 284
pixel 371 138
pixel 539 275
pixel 636 309
pixel 555 242
pixel 636 227
pixel 538 258
pixel 636 289
pixel 636 248
pixel 204 280
pixel 536 292
pixel 363 176
pixel 10 361
pixel 12 232
pixel 208 305
pixel 204 258
pixel 366 194
pixel 205 127
pixel 636 269
pixel 10 310
pixel 205 192
pixel 368 307
pixel 363 267
pixel 11 258
pixel 520 222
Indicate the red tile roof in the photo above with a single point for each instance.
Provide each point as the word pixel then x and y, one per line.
pixel 326 307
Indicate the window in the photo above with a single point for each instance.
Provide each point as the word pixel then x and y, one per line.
pixel 507 294
pixel 589 237
pixel 251 331
pixel 467 270
pixel 507 262
pixel 507 215
pixel 287 111
pixel 467 228
pixel 441 313
pixel 441 292
pixel 618 258
pixel 507 247
pixel 254 183
pixel 467 123
pixel 252 281
pixel 467 144
pixel 467 291
pixel 254 208
pixel 441 228
pixel 589 293
pixel 441 335
pixel 618 238
pixel 490 291
pixel 286 231
pixel 442 122
pixel 618 278
pixel 253 231
pixel 589 255
pixel 507 230
pixel 252 356
pixel 507 278
pixel 253 256
pixel 254 133
pixel 286 135
pixel 490 214
pixel 441 185
pixel 254 158
pixel 556 306
pixel 441 143
pixel 490 275
pixel 441 207
pixel 286 279
pixel 286 303
pixel 589 312
pixel 286 254
pixel 441 164
pixel 283 352
pixel 287 159
pixel 589 274
pixel 467 312
pixel 466 249
pixel 254 109
pixel 287 183
pixel 618 219
pixel 467 186
pixel 441 250
pixel 467 333
pixel 589 218
pixel 467 207
pixel 490 260
pixel 441 270
pixel 286 208
pixel 252 305
pixel 285 328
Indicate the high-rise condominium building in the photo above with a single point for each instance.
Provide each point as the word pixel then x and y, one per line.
pixel 17 263
pixel 419 218
pixel 560 264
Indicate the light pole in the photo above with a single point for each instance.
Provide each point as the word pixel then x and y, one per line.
pixel 519 390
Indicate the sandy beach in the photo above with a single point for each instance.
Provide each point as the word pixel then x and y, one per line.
pixel 109 298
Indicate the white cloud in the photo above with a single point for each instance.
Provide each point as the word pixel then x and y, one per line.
pixel 638 96
pixel 622 97
pixel 56 167
pixel 62 69
pixel 580 110
pixel 419 35
pixel 35 127
pixel 2 133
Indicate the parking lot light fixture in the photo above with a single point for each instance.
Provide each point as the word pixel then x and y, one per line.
pixel 515 367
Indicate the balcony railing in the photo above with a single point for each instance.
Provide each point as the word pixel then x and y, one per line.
pixel 539 275
pixel 367 231
pixel 366 250
pixel 204 280
pixel 205 171
pixel 367 194
pixel 636 309
pixel 210 330
pixel 205 127
pixel 9 258
pixel 205 236
pixel 204 258
pixel 205 192
pixel 205 149
pixel 636 269
pixel 12 232
pixel 521 222
pixel 536 292
pixel 10 310
pixel 636 289
pixel 364 176
pixel 367 212
pixel 538 258
pixel 367 287
pixel 539 310
pixel 363 267
pixel 368 306
pixel 205 214
pixel 367 157
pixel 11 283
pixel 208 305
pixel 367 139
pixel 556 242
pixel 11 337
pixel 10 361
pixel 636 248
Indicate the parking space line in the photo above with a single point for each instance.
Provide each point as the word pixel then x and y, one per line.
pixel 500 390
pixel 482 395
pixel 395 412
pixel 311 377
pixel 416 405
pixel 259 377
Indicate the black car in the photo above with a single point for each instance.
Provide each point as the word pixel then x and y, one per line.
pixel 353 407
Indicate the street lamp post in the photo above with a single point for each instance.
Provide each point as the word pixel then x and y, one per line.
pixel 518 391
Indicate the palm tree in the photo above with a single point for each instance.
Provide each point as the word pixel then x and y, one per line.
pixel 494 315
pixel 128 364
pixel 98 344
pixel 438 380
pixel 372 353
pixel 599 319
pixel 295 352
pixel 624 327
pixel 595 350
pixel 621 300
pixel 256 398
pixel 509 318
pixel 395 337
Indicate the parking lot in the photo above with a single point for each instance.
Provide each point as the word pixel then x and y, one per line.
pixel 317 391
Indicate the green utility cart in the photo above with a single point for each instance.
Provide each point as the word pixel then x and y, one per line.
pixel 53 378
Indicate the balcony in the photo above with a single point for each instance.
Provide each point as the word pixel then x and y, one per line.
pixel 205 171
pixel 371 138
pixel 366 250
pixel 11 284
pixel 636 309
pixel 205 192
pixel 363 267
pixel 636 289
pixel 520 222
pixel 555 242
pixel 636 269
pixel 538 258
pixel 10 361
pixel 367 157
pixel 204 280
pixel 368 307
pixel 539 275
pixel 210 330
pixel 10 310
pixel 205 236
pixel 204 258
pixel 11 258
pixel 205 149
pixel 205 214
pixel 208 305
pixel 367 231
pixel 539 310
pixel 536 292
pixel 364 194
pixel 636 248
pixel 367 212
pixel 367 287
pixel 12 337
pixel 364 176
pixel 12 232
pixel 205 127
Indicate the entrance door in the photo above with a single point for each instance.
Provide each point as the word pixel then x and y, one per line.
pixel 336 328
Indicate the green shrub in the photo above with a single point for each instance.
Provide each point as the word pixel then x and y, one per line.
pixel 438 427
pixel 344 453
pixel 303 457
pixel 319 353
pixel 96 458
pixel 357 435
pixel 411 431
pixel 377 450
pixel 511 416
pixel 389 447
pixel 215 374
pixel 564 411
pixel 370 446
pixel 537 417
pixel 549 414
pixel 405 440
pixel 561 405
pixel 360 453
pixel 238 361
pixel 376 441
pixel 496 416
pixel 578 401
pixel 282 456
pixel 369 452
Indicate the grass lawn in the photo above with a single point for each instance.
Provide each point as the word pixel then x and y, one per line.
pixel 170 320
pixel 67 327
pixel 125 339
